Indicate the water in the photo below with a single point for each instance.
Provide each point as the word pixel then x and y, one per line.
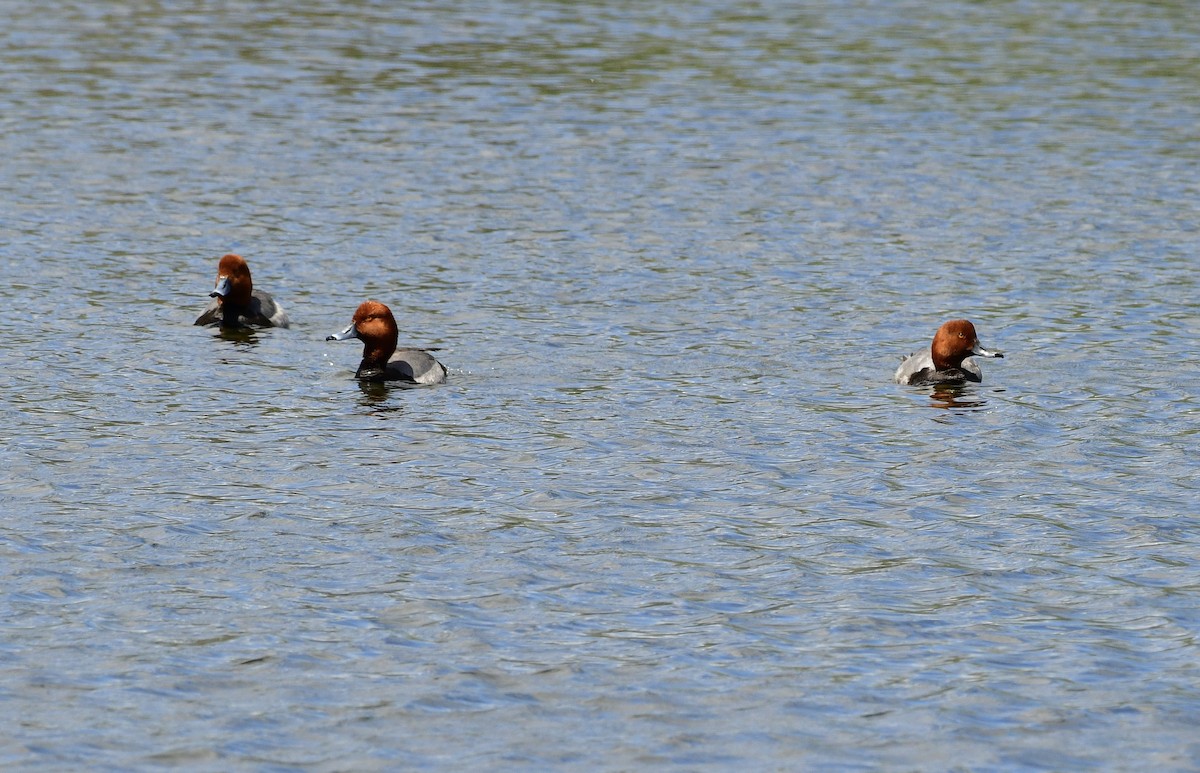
pixel 668 511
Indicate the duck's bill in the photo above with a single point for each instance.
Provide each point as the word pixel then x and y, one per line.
pixel 349 332
pixel 222 288
pixel 979 351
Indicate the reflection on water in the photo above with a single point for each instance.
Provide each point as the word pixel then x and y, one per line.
pixel 961 396
pixel 244 336
pixel 653 235
pixel 384 397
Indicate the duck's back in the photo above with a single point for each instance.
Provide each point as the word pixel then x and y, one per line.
pixel 417 366
pixel 918 368
pixel 211 314
pixel 914 367
pixel 265 311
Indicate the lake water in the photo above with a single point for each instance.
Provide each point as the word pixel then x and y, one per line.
pixel 669 511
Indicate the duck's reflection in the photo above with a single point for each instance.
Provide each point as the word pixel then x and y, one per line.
pixel 948 396
pixel 243 336
pixel 375 396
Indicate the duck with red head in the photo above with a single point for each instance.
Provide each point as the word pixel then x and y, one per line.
pixel 235 302
pixel 374 325
pixel 946 361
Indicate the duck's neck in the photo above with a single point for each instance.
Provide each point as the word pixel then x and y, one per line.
pixel 375 359
pixel 943 361
pixel 232 313
pixel 369 371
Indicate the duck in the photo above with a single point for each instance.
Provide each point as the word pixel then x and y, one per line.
pixel 374 325
pixel 947 359
pixel 235 301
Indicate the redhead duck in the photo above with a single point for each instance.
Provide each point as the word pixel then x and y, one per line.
pixel 375 326
pixel 946 361
pixel 235 302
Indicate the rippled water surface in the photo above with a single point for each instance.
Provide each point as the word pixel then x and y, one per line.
pixel 668 511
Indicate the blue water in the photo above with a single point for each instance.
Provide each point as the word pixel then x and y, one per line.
pixel 669 511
